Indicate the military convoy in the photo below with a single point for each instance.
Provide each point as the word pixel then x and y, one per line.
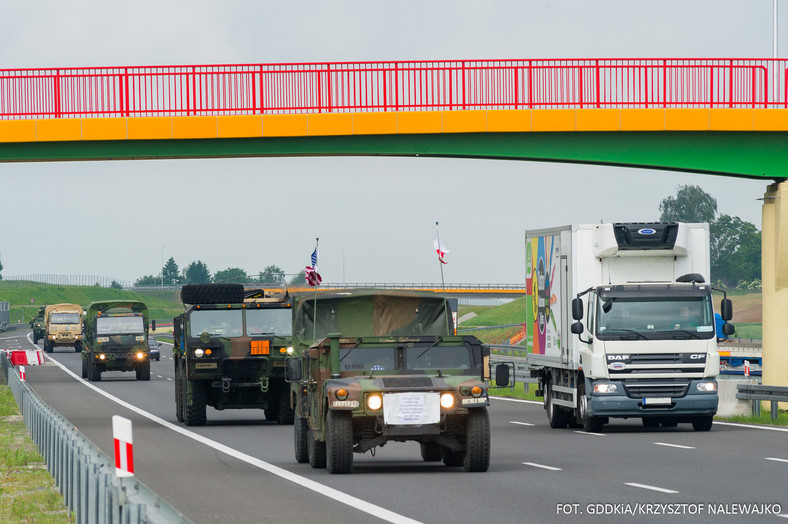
pixel 63 327
pixel 116 339
pixel 229 350
pixel 386 367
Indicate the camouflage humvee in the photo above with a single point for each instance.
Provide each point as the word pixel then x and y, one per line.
pixel 386 367
pixel 229 350
pixel 38 324
pixel 116 339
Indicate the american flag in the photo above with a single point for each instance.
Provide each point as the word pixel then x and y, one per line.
pixel 313 278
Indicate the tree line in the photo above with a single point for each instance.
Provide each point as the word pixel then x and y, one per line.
pixel 197 272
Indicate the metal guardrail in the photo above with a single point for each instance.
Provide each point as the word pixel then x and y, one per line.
pixel 759 392
pixel 84 474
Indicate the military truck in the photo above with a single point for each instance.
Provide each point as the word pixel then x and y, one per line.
pixel 116 339
pixel 229 350
pixel 38 325
pixel 386 366
pixel 63 327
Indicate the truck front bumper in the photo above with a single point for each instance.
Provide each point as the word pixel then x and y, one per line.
pixel 620 405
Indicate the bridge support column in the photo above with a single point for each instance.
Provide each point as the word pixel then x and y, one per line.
pixel 774 246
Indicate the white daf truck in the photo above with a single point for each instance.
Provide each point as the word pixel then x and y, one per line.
pixel 620 323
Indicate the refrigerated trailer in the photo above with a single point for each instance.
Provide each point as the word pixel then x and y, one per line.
pixel 620 323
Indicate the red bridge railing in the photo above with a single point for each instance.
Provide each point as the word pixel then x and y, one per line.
pixel 243 89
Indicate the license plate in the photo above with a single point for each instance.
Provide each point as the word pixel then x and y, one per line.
pixel 657 401
pixel 261 347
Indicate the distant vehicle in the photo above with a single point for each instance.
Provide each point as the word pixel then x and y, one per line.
pixel 38 325
pixel 63 325
pixel 116 339
pixel 153 349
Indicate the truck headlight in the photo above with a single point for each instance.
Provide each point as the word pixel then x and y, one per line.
pixel 447 400
pixel 198 353
pixel 605 387
pixel 374 402
pixel 707 387
pixel 140 355
pixel 290 350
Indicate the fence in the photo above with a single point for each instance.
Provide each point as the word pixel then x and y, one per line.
pixel 85 475
pixel 758 393
pixel 239 89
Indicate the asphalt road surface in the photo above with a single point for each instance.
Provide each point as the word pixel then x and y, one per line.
pixel 240 467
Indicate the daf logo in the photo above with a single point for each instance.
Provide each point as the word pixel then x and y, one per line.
pixel 646 231
pixel 618 357
pixel 617 366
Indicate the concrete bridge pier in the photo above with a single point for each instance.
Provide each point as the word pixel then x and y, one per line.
pixel 775 285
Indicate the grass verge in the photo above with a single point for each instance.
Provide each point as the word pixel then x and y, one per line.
pixel 27 490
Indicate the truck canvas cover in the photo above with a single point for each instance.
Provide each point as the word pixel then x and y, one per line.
pixel 369 313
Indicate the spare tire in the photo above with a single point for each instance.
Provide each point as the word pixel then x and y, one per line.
pixel 212 294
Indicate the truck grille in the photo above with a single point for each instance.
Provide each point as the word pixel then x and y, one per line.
pixel 243 370
pixel 660 363
pixel 656 388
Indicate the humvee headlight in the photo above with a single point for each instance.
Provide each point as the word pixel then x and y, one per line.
pixel 477 391
pixel 290 350
pixel 341 394
pixel 140 355
pixel 707 387
pixel 374 402
pixel 198 352
pixel 447 400
pixel 102 356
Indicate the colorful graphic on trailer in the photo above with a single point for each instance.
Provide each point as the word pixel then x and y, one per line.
pixel 542 320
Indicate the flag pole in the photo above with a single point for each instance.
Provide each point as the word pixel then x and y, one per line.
pixel 443 284
pixel 314 311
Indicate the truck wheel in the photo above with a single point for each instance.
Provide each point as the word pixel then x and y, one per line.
pixel 703 423
pixel 94 372
pixel 212 294
pixel 339 441
pixel 84 368
pixel 477 440
pixel 556 416
pixel 593 424
pixel 143 372
pixel 316 451
pixel 78 347
pixel 453 459
pixel 35 338
pixel 431 452
pixel 300 430
pixel 181 393
pixel 194 410
pixel 47 347
pixel 178 414
pixel 285 415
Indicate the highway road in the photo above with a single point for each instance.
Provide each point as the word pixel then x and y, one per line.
pixel 240 468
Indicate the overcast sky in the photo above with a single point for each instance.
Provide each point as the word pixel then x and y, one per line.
pixel 375 216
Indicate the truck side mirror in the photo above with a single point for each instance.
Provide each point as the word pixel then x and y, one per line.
pixel 577 328
pixel 728 329
pixel 577 309
pixel 502 375
pixel 153 325
pixel 726 309
pixel 293 370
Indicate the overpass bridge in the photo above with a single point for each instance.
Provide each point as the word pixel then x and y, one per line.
pixel 726 117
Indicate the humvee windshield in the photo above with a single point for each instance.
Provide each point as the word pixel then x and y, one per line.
pixel 438 357
pixel 269 322
pixel 64 318
pixel 368 359
pixel 219 322
pixel 119 326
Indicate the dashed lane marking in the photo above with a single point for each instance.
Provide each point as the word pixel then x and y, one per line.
pixel 652 488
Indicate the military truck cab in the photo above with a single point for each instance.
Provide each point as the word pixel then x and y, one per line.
pixel 63 327
pixel 229 350
pixel 355 392
pixel 38 325
pixel 116 339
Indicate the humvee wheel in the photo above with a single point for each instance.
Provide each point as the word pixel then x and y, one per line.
pixel 212 294
pixel 477 441
pixel 94 372
pixel 84 368
pixel 143 372
pixel 431 452
pixel 300 430
pixel 339 441
pixel 285 415
pixel 35 338
pixel 316 451
pixel 194 408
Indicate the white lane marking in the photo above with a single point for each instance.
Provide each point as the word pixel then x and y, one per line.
pixel 653 488
pixel 520 423
pixel 674 445
pixel 751 426
pixel 590 433
pixel 344 498
pixel 776 459
pixel 551 468
pixel 519 400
